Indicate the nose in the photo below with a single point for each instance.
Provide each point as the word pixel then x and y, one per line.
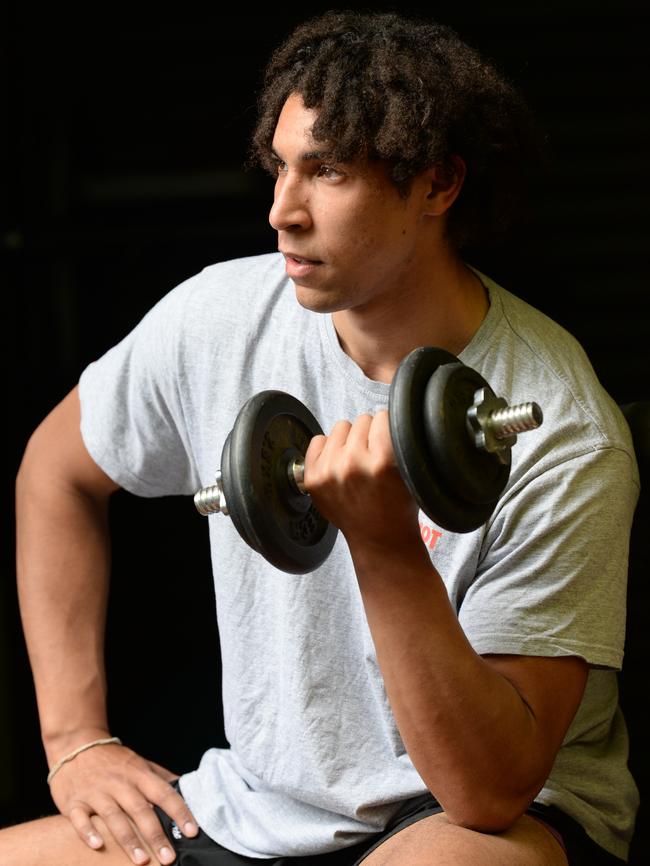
pixel 290 210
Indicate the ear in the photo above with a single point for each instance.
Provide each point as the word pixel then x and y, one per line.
pixel 443 184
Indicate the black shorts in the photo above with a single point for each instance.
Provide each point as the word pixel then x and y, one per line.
pixel 203 851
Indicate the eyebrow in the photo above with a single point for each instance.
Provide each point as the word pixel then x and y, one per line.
pixel 309 155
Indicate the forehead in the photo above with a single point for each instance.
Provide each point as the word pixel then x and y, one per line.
pixel 294 142
pixel 294 127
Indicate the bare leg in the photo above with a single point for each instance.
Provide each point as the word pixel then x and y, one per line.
pixel 54 842
pixel 434 841
pixel 430 842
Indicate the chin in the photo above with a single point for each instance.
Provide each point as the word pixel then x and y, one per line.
pixel 318 301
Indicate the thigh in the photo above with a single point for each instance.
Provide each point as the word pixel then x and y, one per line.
pixel 54 842
pixel 435 841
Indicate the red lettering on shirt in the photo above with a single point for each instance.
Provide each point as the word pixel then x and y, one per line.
pixel 430 535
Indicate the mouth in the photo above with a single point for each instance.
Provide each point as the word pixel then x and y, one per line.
pixel 301 260
pixel 299 266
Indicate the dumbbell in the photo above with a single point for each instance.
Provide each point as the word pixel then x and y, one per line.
pixel 452 438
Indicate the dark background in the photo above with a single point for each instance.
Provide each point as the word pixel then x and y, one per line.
pixel 123 137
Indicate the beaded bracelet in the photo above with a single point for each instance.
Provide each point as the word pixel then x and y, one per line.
pixel 55 769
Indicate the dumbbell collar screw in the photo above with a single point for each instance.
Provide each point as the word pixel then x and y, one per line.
pixel 211 500
pixel 494 425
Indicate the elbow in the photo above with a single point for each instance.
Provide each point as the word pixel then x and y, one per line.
pixel 490 813
pixel 488 802
pixel 491 808
pixel 496 819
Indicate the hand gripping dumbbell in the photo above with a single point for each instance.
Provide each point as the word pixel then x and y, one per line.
pixel 451 436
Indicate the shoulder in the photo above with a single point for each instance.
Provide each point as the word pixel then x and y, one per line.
pixel 526 356
pixel 230 294
pixel 235 281
pixel 529 356
pixel 220 305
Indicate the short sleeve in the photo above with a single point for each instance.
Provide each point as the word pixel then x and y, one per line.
pixel 553 573
pixel 133 405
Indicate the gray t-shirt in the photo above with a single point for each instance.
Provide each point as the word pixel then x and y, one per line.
pixel 315 760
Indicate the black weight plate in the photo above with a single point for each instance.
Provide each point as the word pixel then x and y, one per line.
pixel 271 429
pixel 234 512
pixel 406 414
pixel 470 473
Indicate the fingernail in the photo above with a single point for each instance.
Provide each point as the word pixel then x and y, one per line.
pixel 95 841
pixel 139 855
pixel 190 828
pixel 167 855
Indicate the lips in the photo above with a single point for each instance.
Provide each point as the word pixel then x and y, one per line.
pixel 302 260
pixel 300 267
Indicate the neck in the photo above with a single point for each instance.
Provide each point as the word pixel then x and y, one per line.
pixel 442 308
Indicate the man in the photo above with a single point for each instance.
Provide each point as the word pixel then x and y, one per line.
pixel 448 703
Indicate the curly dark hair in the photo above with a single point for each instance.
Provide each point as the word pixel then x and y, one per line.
pixel 412 93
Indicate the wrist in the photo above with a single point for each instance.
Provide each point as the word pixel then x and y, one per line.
pixel 374 557
pixel 400 583
pixel 102 741
pixel 61 743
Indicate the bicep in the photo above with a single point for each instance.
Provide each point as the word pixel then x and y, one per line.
pixel 56 452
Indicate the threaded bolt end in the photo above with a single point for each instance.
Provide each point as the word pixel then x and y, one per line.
pixel 208 500
pixel 515 419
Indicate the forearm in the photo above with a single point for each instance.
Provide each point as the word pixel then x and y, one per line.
pixel 469 732
pixel 62 572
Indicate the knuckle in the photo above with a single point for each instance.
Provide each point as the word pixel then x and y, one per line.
pixel 349 467
pixel 316 441
pixel 342 427
pixel 126 838
pixel 160 792
pixel 141 811
pixel 182 813
pixel 80 820
pixel 169 795
pixel 157 839
pixel 176 807
pixel 381 460
pixel 313 476
pixel 110 812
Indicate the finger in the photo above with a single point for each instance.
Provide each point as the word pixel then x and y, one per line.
pixel 79 817
pixel 379 438
pixel 123 831
pixel 173 804
pixel 314 450
pixel 142 814
pixel 165 796
pixel 358 435
pixel 339 435
pixel 321 448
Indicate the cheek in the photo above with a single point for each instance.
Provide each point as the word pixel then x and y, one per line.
pixel 375 227
pixel 391 235
pixel 347 232
pixel 358 229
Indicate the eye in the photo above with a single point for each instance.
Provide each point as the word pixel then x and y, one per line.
pixel 275 166
pixel 329 172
